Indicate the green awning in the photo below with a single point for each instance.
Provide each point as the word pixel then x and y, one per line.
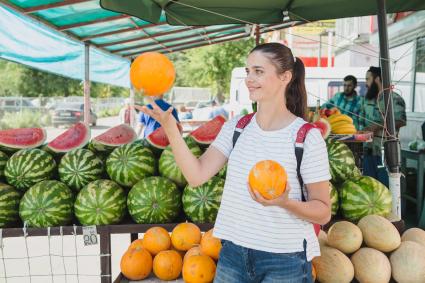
pixel 124 35
pixel 213 12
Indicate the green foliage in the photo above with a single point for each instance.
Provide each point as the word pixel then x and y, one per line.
pixel 211 66
pixel 20 80
pixel 24 119
pixel 109 112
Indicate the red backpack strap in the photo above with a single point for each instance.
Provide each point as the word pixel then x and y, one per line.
pixel 240 126
pixel 299 152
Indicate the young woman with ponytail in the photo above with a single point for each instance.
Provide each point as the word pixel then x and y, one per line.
pixel 263 240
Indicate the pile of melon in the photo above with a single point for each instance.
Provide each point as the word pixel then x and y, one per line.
pixel 371 252
pixel 185 252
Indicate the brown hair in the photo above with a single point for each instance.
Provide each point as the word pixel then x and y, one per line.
pixel 283 59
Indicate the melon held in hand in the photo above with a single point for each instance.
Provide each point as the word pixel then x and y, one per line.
pixel 268 178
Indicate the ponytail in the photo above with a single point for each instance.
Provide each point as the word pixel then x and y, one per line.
pixel 296 94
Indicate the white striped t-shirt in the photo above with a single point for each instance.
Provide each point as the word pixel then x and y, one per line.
pixel 249 224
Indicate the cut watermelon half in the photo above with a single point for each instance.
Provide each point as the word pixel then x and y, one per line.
pixel 15 139
pixel 324 127
pixel 75 137
pixel 114 137
pixel 158 139
pixel 207 132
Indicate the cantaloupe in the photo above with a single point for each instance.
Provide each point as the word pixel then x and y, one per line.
pixel 415 235
pixel 371 266
pixel 345 236
pixel 333 266
pixel 408 263
pixel 323 238
pixel 379 233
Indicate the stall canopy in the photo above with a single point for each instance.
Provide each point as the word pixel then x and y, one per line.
pixel 50 35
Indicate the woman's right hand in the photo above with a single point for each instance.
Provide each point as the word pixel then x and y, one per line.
pixel 165 118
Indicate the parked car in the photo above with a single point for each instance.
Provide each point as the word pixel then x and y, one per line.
pixel 15 104
pixel 71 113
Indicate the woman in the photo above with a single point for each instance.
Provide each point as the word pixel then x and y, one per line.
pixel 264 240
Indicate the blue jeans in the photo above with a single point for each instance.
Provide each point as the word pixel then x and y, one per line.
pixel 370 168
pixel 242 265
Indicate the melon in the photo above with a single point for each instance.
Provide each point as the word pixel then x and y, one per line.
pixel 157 141
pixel 379 233
pixel 323 238
pixel 345 236
pixel 112 138
pixel 15 139
pixel 408 263
pixel 205 134
pixel 371 265
pixel 75 137
pixel 333 266
pixel 324 127
pixel 415 235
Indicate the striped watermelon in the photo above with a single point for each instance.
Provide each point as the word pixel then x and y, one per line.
pixel 9 205
pixel 168 166
pixel 341 161
pixel 130 163
pixel 27 167
pixel 201 203
pixel 79 167
pixel 3 161
pixel 12 140
pixel 112 138
pixel 154 200
pixel 334 198
pixel 363 196
pixel 223 172
pixel 101 202
pixel 47 204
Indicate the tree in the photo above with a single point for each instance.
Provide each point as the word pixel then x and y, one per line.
pixel 10 73
pixel 211 66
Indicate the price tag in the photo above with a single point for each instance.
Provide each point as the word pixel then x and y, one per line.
pixel 90 235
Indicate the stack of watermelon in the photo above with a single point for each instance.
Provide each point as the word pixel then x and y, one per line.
pixel 98 182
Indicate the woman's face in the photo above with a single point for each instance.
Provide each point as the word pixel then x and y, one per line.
pixel 262 80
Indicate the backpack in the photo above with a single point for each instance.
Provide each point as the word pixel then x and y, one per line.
pixel 299 150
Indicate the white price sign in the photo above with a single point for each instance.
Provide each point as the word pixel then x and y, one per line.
pixel 90 235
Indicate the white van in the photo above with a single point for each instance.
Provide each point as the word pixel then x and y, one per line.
pixel 321 83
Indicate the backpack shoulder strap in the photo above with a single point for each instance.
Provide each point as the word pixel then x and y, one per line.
pixel 299 152
pixel 240 126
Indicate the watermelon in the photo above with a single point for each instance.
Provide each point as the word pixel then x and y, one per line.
pixel 9 205
pixel 341 161
pixel 223 172
pixel 168 166
pixel 201 203
pixel 47 204
pixel 101 202
pixel 323 125
pixel 130 163
pixel 79 167
pixel 205 134
pixel 16 139
pixel 3 161
pixel 334 198
pixel 112 138
pixel 158 141
pixel 154 200
pixel 363 196
pixel 75 137
pixel 27 167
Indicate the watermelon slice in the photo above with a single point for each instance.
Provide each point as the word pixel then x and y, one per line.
pixel 206 133
pixel 16 139
pixel 158 141
pixel 324 127
pixel 75 137
pixel 112 138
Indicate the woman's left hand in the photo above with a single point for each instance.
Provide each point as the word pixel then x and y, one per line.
pixel 280 201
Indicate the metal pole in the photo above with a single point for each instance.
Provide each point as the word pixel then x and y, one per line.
pixel 320 51
pixel 330 34
pixel 132 102
pixel 392 144
pixel 87 105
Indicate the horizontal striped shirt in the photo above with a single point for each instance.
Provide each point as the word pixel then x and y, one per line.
pixel 247 223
